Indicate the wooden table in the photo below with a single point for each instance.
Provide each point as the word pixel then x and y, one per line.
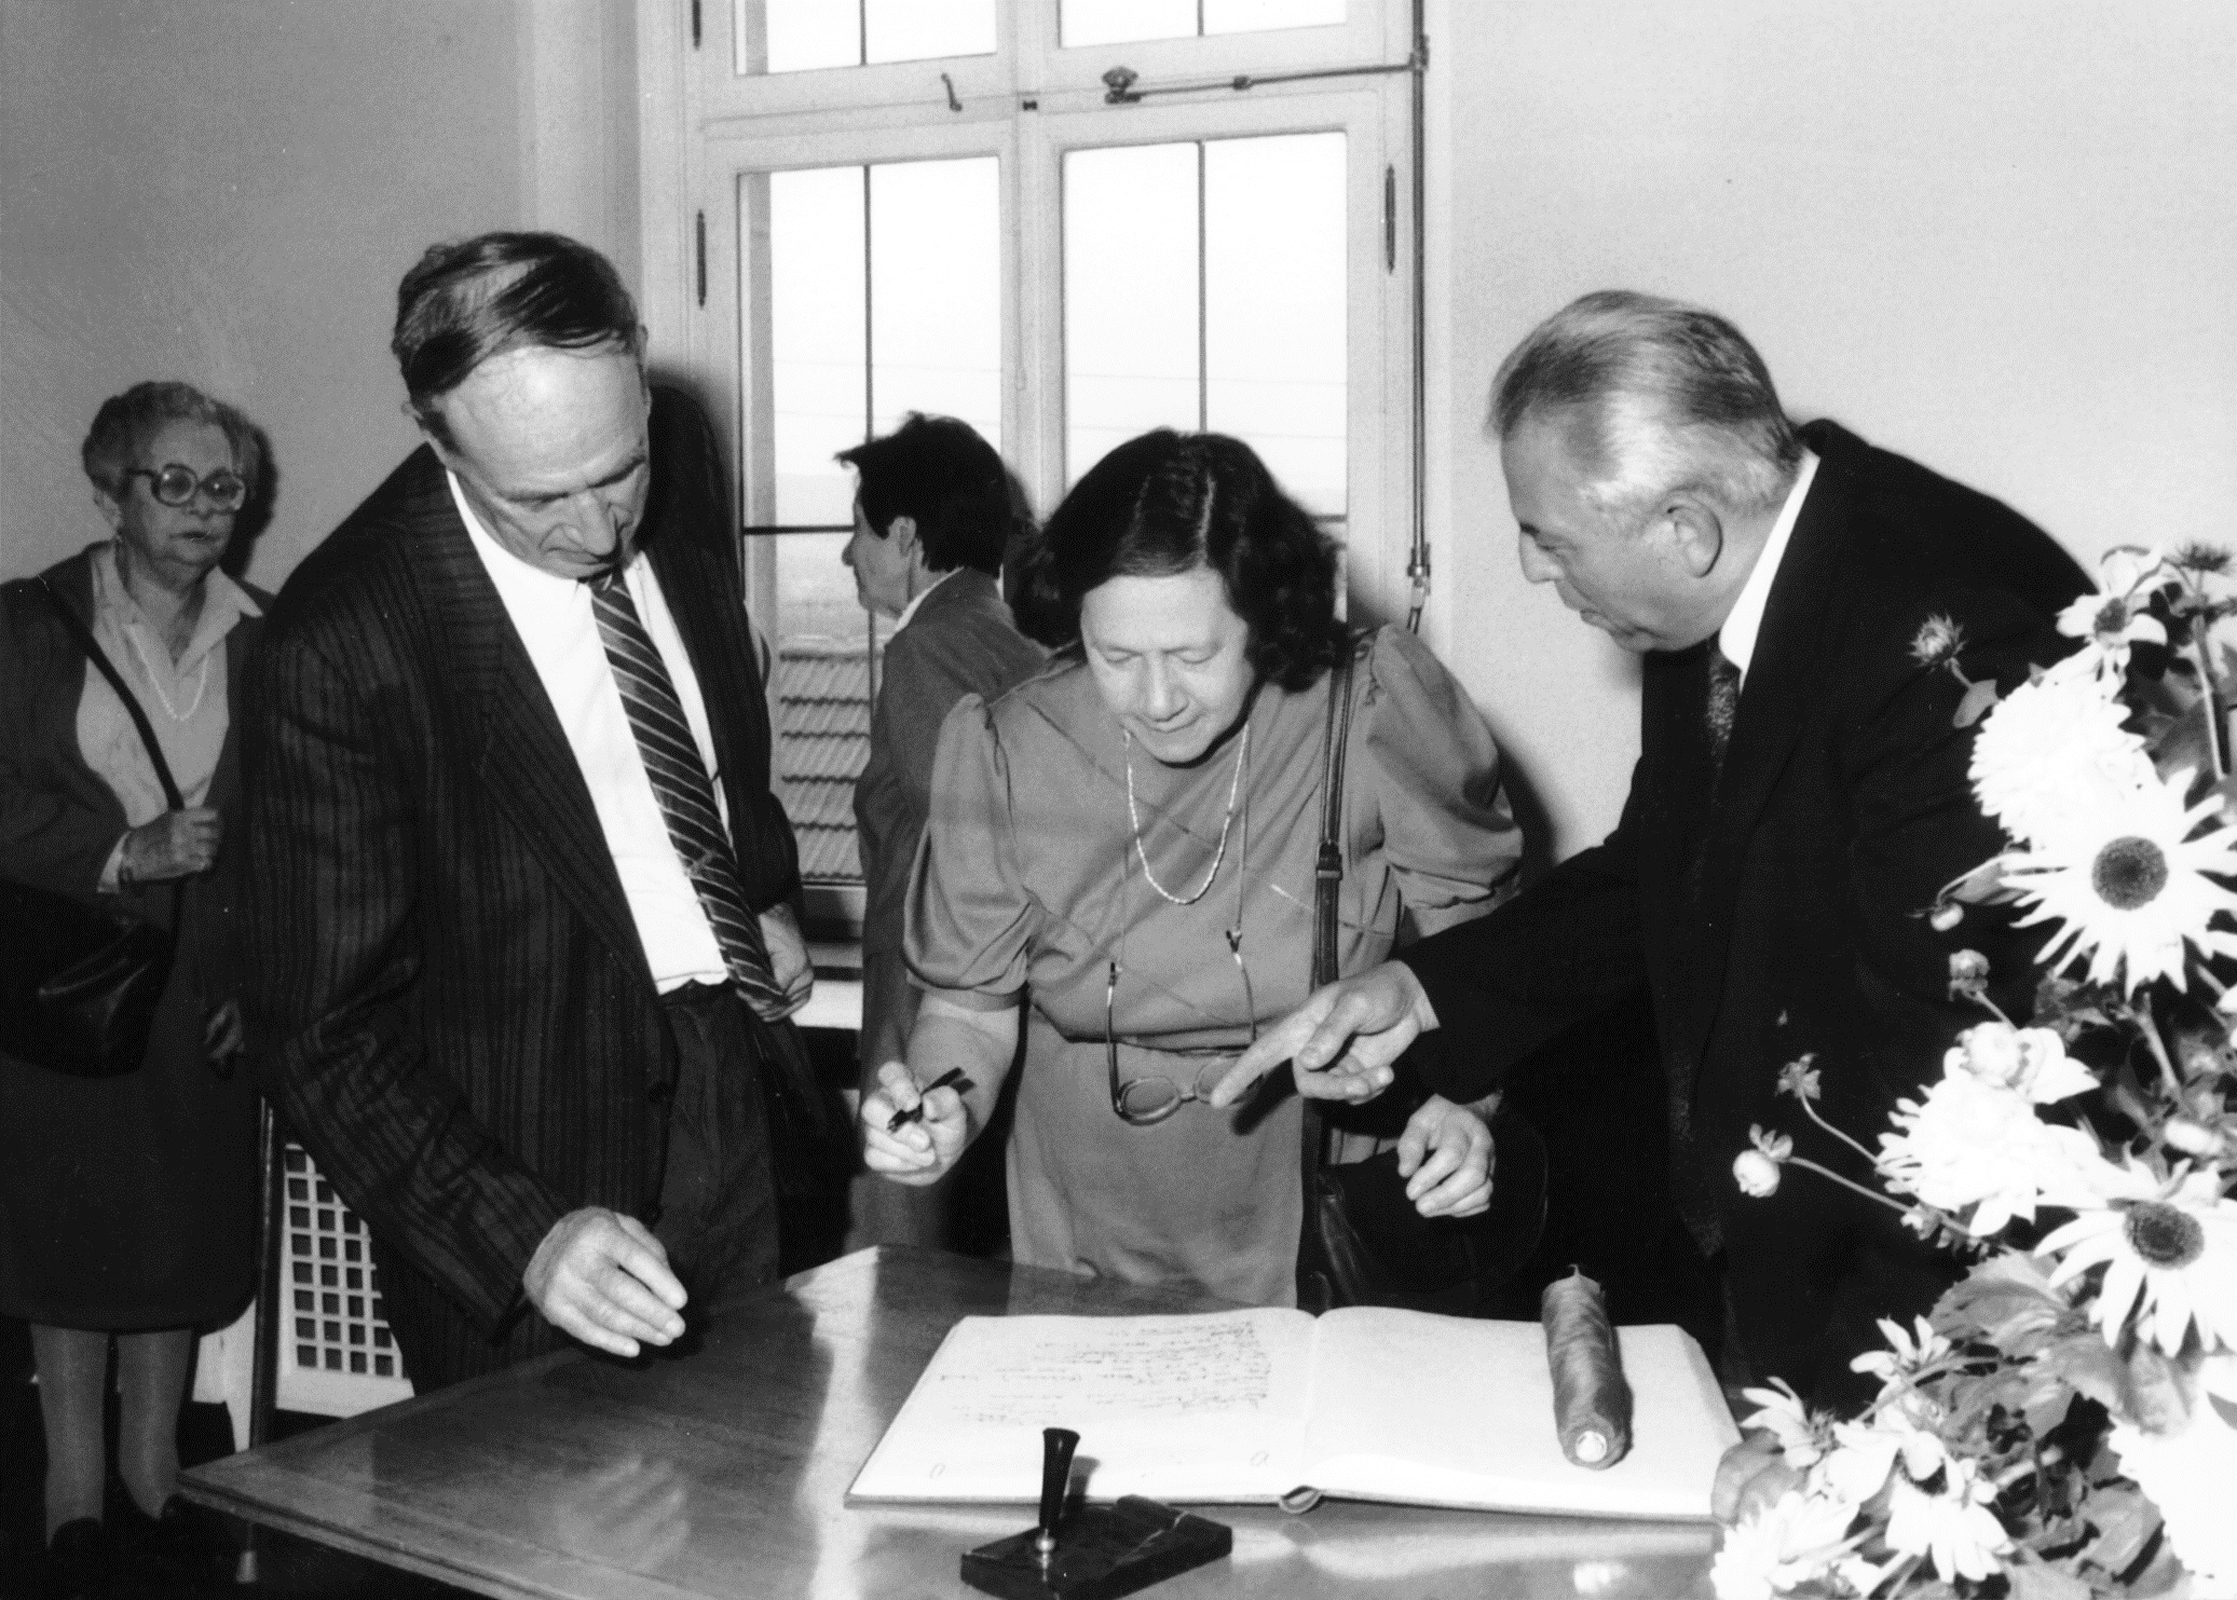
pixel 723 1471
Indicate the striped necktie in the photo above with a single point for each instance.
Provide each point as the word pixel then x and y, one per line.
pixel 687 799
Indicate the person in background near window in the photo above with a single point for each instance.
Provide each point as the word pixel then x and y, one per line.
pixel 128 1204
pixel 1130 840
pixel 932 517
pixel 517 886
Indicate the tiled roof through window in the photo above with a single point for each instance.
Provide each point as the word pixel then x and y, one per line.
pixel 823 740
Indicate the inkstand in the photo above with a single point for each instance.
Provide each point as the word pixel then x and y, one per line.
pixel 1092 1552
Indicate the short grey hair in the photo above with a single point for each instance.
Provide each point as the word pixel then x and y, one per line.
pixel 1657 396
pixel 126 422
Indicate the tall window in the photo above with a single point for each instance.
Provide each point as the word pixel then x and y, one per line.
pixel 1057 219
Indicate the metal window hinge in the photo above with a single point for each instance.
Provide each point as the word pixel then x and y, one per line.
pixel 1390 219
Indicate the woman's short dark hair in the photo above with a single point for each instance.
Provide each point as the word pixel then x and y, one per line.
pixel 469 300
pixel 1168 503
pixel 126 422
pixel 940 473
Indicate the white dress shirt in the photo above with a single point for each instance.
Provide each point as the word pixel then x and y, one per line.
pixel 555 621
pixel 1738 635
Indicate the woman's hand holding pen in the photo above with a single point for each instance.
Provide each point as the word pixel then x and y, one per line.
pixel 914 1135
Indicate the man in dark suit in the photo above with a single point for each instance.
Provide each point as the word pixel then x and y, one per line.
pixel 521 952
pixel 1800 800
pixel 932 520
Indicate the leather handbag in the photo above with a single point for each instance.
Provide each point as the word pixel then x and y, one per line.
pixel 79 982
pixel 1362 1242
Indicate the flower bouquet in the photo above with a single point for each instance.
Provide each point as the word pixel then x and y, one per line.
pixel 2064 1425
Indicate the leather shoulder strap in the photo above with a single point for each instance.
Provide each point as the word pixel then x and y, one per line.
pixel 86 642
pixel 1328 867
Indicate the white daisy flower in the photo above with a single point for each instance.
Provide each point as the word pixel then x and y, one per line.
pixel 1782 1546
pixel 1804 1435
pixel 1972 1143
pixel 2031 1060
pixel 2133 888
pixel 1865 1454
pixel 2188 1474
pixel 2116 616
pixel 1956 1527
pixel 1904 1355
pixel 2169 1251
pixel 2052 754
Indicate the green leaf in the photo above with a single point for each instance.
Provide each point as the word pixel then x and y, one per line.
pixel 2160 1390
pixel 2086 1363
pixel 2007 1301
pixel 2126 1523
pixel 2186 743
pixel 1979 699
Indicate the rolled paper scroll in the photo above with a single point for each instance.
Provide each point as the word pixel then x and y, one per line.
pixel 1591 1401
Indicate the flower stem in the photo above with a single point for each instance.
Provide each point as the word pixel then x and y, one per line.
pixel 2148 1026
pixel 1846 1183
pixel 2216 728
pixel 1812 1112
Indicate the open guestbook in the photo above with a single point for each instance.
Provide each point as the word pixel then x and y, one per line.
pixel 1240 1406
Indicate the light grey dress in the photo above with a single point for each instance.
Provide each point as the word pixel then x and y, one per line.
pixel 1027 880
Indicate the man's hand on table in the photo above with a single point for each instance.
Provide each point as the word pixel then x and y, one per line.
pixel 604 1278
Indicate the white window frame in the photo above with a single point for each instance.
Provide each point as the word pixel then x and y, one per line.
pixel 705 125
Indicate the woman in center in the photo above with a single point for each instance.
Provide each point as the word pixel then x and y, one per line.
pixel 1119 865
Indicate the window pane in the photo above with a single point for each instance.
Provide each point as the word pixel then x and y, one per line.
pixel 805 34
pixel 1130 297
pixel 936 292
pixel 1121 21
pixel 1085 22
pixel 822 693
pixel 817 336
pixel 885 290
pixel 919 30
pixel 1257 16
pixel 1274 271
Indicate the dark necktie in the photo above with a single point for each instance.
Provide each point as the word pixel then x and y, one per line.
pixel 1721 706
pixel 687 799
pixel 1694 1190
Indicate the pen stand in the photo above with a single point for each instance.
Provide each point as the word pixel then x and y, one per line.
pixel 1101 1551
pixel 1092 1552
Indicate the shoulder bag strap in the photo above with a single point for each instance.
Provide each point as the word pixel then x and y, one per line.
pixel 86 642
pixel 1328 869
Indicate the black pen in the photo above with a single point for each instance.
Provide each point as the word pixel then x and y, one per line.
pixel 953 1078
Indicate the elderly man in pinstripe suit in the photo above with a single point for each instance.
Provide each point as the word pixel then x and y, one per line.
pixel 522 956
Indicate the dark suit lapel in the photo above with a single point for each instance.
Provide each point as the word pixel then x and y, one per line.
pixel 523 755
pixel 1784 678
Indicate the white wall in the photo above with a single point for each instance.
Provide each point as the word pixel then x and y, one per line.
pixel 1999 236
pixel 227 191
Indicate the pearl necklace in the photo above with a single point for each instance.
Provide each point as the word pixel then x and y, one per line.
pixel 201 682
pixel 1134 817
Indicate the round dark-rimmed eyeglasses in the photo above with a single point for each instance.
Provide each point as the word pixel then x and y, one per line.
pixel 175 485
pixel 1147 1100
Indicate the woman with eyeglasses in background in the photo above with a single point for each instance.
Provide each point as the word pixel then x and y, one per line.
pixel 1120 862
pixel 128 1204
